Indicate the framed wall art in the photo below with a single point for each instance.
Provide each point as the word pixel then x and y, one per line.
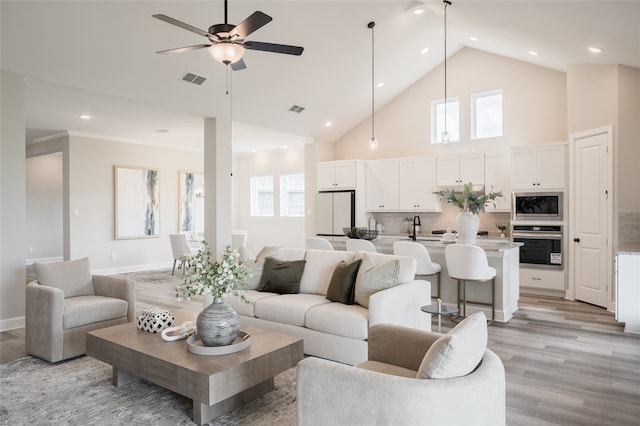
pixel 137 202
pixel 191 203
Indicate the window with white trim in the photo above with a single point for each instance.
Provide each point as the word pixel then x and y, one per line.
pixel 438 116
pixel 486 115
pixel 262 196
pixel 292 195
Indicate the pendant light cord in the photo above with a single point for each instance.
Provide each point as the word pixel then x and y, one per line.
pixel 446 4
pixel 373 81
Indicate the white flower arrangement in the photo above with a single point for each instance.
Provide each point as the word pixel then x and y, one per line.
pixel 205 277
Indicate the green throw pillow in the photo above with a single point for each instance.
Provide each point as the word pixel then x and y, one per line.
pixel 282 277
pixel 343 281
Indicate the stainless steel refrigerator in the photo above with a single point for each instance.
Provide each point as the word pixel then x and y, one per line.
pixel 335 210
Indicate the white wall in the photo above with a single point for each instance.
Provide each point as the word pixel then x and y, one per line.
pixel 268 231
pixel 535 105
pixel 44 236
pixel 91 195
pixel 12 200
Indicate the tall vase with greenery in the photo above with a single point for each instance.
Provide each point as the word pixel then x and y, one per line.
pixel 219 323
pixel 470 203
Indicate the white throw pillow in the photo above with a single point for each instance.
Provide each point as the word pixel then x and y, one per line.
pixel 458 352
pixel 374 276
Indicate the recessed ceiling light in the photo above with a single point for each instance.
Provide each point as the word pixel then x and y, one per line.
pixel 594 49
pixel 285 146
pixel 328 124
pixel 473 38
pixel 425 50
pixel 379 85
pixel 162 131
pixel 533 52
pixel 84 116
pixel 254 150
pixel 418 11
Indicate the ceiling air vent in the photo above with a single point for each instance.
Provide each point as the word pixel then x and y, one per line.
pixel 297 108
pixel 190 77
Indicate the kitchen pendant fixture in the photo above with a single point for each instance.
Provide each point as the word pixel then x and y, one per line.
pixel 373 142
pixel 446 137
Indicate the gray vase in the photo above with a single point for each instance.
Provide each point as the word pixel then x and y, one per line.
pixel 218 324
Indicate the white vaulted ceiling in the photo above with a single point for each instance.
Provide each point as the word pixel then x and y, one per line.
pixel 98 57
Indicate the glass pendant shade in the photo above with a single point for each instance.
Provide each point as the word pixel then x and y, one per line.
pixel 446 137
pixel 226 52
pixel 373 144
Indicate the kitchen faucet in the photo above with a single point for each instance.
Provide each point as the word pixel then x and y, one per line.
pixel 416 222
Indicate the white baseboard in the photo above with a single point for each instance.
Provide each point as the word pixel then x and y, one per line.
pixel 11 323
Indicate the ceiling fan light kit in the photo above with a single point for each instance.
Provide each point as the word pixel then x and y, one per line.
pixel 227 41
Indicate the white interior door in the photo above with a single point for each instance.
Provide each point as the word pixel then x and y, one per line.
pixel 590 225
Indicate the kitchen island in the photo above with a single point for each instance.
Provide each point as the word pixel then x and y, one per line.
pixel 502 255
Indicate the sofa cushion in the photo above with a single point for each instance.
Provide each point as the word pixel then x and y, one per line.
pixel 287 308
pixel 319 268
pixel 280 276
pixel 458 352
pixel 407 264
pixel 373 277
pixel 244 308
pixel 286 253
pixel 72 277
pixel 343 281
pixel 83 310
pixel 338 319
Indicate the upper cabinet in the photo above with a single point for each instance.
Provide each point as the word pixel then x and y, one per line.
pixel 538 167
pixel 337 175
pixel 417 177
pixel 456 170
pixel 497 177
pixel 382 178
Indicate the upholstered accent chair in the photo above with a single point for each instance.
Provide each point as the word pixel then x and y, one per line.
pixel 67 301
pixel 411 377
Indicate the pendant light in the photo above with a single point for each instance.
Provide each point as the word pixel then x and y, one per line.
pixel 373 142
pixel 446 137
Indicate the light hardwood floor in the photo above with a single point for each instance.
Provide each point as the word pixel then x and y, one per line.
pixel 566 362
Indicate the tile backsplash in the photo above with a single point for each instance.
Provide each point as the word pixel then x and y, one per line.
pixel 394 223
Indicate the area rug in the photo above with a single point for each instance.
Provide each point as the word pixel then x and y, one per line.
pixel 79 392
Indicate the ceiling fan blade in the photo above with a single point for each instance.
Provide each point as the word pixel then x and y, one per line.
pixel 180 24
pixel 254 22
pixel 240 65
pixel 182 49
pixel 275 48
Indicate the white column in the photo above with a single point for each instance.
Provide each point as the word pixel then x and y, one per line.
pixel 217 183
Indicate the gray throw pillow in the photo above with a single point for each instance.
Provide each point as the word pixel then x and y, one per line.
pixel 72 277
pixel 282 277
pixel 343 281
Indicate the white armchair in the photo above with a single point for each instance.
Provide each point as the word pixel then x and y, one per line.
pixel 388 388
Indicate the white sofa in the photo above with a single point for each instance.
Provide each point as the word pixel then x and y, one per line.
pixel 334 330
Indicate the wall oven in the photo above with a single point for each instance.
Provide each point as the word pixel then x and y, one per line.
pixel 534 206
pixel 541 245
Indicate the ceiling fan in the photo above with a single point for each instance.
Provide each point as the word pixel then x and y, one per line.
pixel 227 41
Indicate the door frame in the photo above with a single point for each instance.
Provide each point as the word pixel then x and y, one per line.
pixel 573 137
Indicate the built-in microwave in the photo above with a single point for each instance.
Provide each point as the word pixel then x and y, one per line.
pixel 537 206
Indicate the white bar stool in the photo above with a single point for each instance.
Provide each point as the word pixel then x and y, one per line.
pixel 362 245
pixel 424 266
pixel 319 243
pixel 467 262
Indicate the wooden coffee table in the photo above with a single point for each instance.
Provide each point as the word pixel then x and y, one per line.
pixel 217 384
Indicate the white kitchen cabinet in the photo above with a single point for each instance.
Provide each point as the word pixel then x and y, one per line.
pixel 456 170
pixel 417 177
pixel 628 290
pixel 382 184
pixel 497 177
pixel 538 167
pixel 336 175
pixel 542 279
